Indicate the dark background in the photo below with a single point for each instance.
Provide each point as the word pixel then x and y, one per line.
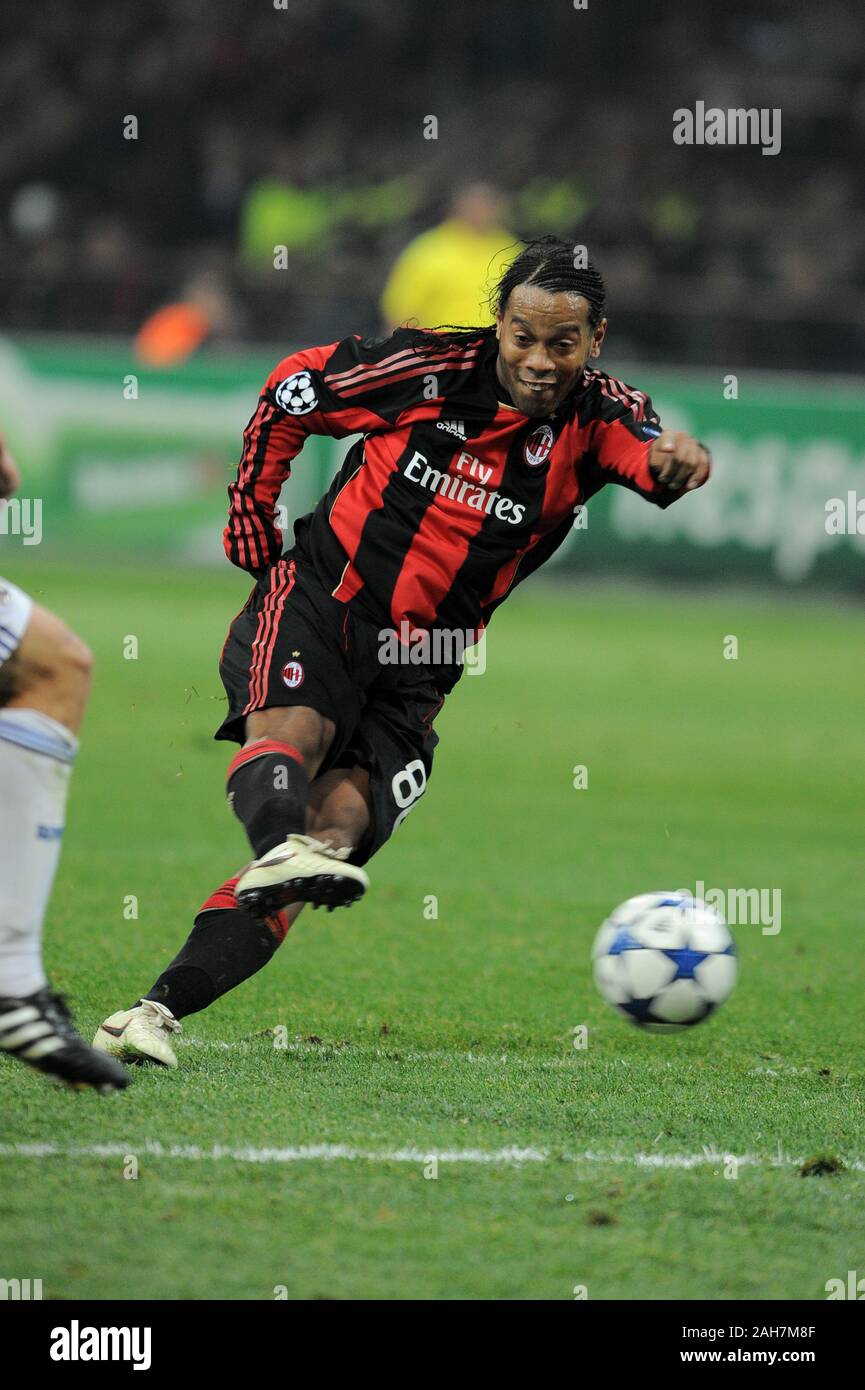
pixel 708 252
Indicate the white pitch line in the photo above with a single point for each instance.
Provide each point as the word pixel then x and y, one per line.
pixel 305 1153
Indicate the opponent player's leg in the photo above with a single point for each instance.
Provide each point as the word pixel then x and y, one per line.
pixel 227 943
pixel 45 673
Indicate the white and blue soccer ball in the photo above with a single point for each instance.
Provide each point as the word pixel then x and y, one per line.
pixel 665 960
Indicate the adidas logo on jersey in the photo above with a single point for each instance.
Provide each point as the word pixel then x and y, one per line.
pixel 456 427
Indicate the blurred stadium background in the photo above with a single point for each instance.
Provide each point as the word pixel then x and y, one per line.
pixel 140 305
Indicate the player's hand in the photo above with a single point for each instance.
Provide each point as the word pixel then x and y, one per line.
pixel 10 478
pixel 679 462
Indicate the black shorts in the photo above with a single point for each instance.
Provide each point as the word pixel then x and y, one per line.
pixel 294 644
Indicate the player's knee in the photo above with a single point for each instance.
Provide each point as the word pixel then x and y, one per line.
pixel 73 665
pixel 78 659
pixel 305 729
pixel 54 668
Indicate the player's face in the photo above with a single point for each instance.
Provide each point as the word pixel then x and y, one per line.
pixel 545 341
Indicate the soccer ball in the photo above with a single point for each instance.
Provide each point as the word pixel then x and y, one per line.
pixel 665 960
pixel 296 394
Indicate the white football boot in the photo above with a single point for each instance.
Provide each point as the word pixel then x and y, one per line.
pixel 303 870
pixel 141 1034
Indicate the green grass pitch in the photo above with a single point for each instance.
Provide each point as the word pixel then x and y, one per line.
pixel 392 1037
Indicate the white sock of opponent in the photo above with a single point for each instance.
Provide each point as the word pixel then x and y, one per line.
pixel 36 756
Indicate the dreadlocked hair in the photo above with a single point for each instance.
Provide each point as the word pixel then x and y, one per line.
pixel 549 263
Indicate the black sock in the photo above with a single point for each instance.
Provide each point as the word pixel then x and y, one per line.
pixel 268 790
pixel 224 948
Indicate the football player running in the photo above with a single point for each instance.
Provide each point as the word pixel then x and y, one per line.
pixel 477 447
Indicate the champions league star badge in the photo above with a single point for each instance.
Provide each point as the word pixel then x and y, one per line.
pixel 536 449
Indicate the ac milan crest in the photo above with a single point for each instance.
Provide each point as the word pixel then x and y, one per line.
pixel 538 445
pixel 292 674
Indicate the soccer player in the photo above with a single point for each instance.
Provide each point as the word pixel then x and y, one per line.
pixel 44 683
pixel 477 446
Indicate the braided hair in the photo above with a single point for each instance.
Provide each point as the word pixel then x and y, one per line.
pixel 548 263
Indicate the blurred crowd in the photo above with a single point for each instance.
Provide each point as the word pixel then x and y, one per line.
pixel 157 155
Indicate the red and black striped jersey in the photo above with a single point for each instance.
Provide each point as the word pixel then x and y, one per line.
pixel 452 496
